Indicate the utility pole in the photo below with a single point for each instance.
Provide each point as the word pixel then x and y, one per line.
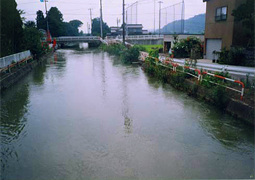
pixel 154 16
pixel 183 11
pixel 90 19
pixel 88 27
pixel 101 19
pixel 48 29
pixel 126 16
pixel 160 2
pixel 124 24
pixel 118 21
pixel 136 10
pixel 174 19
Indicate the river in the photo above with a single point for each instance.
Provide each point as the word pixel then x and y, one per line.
pixel 84 115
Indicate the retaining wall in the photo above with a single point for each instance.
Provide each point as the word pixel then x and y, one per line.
pixel 236 108
pixel 11 78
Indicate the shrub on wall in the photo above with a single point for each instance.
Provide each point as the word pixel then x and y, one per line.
pixel 183 48
pixel 131 54
pixel 127 55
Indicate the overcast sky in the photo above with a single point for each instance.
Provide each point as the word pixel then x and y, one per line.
pixel 112 9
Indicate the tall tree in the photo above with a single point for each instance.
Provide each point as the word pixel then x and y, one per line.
pixel 40 20
pixel 30 24
pixel 245 14
pixel 56 25
pixel 32 40
pixel 11 28
pixel 96 27
pixel 76 24
pixel 69 30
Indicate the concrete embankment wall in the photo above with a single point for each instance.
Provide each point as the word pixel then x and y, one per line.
pixel 236 108
pixel 11 78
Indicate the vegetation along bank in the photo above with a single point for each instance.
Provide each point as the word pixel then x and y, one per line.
pixel 210 89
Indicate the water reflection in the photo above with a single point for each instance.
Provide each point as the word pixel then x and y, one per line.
pixel 103 75
pixel 125 103
pixel 13 121
pixel 38 74
pixel 231 133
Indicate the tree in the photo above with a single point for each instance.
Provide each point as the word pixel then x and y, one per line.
pixel 32 40
pixel 21 13
pixel 56 24
pixel 72 28
pixel 245 14
pixel 11 28
pixel 76 23
pixel 30 24
pixel 40 20
pixel 96 31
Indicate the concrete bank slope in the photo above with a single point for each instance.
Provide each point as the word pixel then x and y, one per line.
pixel 11 78
pixel 236 108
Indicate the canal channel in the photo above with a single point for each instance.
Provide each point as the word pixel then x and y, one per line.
pixel 85 115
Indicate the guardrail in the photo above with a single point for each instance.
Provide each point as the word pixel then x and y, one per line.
pixel 200 74
pixel 224 68
pixel 77 38
pixel 8 60
pixel 138 37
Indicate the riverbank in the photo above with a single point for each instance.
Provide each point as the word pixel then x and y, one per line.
pixel 219 96
pixel 10 78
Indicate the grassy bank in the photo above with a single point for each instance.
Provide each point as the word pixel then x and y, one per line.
pixel 149 48
pixel 128 55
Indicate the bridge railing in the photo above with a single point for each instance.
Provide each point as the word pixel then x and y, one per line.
pixel 78 38
pixel 138 37
pixel 8 60
pixel 146 37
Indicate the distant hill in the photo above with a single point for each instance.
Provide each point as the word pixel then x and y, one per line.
pixel 194 25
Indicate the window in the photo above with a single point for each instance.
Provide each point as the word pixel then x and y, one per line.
pixel 221 14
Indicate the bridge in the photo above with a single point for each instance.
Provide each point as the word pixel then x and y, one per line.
pixel 95 40
pixel 91 40
pixel 87 39
pixel 140 39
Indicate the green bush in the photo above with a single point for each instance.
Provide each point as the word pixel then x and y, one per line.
pixel 234 56
pixel 32 41
pixel 114 49
pixel 131 54
pixel 208 78
pixel 219 96
pixel 182 49
pixel 127 55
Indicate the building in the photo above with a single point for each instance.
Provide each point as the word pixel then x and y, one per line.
pixel 171 38
pixel 220 29
pixel 134 29
pixel 131 29
pixel 115 31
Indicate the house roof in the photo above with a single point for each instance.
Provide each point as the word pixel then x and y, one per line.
pixel 134 26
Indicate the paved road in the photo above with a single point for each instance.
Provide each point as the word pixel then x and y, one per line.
pixel 238 72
